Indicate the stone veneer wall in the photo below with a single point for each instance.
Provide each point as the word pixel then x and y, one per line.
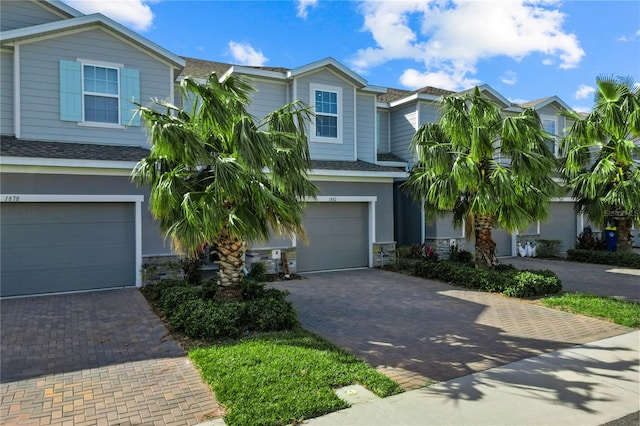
pixel 387 256
pixel 273 265
pixel 158 268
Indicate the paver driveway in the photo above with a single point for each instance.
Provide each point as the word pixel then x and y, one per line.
pixel 417 330
pixel 95 358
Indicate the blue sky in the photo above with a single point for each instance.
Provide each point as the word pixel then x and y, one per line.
pixel 526 50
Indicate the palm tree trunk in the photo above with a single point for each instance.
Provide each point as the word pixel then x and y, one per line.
pixel 485 246
pixel 623 227
pixel 230 249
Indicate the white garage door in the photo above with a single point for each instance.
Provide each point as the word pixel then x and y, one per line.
pixel 338 236
pixel 57 247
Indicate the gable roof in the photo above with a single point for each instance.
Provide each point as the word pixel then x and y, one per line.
pixel 540 103
pixel 96 20
pixel 200 68
pixel 59 6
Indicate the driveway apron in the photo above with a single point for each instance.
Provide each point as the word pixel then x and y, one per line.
pixel 418 331
pixel 95 358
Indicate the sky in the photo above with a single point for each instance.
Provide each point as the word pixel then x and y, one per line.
pixel 524 49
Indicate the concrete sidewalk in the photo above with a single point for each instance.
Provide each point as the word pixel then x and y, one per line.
pixel 589 384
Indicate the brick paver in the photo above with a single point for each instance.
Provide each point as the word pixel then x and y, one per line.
pixel 99 358
pixel 417 330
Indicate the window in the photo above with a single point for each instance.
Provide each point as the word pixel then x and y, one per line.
pixel 101 94
pixel 327 102
pixel 549 126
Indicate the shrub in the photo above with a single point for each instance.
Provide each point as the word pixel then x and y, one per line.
pixel 503 279
pixel 423 252
pixel 588 241
pixel 460 255
pixel 533 283
pixel 191 268
pixel 403 252
pixel 258 272
pixel 206 319
pixel 173 297
pixel 209 288
pixel 548 248
pixel 271 314
pixel 630 260
pixel 156 290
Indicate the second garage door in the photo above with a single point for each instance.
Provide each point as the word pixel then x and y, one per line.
pixel 59 247
pixel 338 236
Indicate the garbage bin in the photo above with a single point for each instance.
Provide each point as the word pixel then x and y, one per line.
pixel 611 235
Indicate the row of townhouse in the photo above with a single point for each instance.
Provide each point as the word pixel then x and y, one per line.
pixel 72 220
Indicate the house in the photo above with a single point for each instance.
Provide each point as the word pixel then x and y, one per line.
pixel 351 223
pixel 71 218
pixel 406 111
pixel 73 221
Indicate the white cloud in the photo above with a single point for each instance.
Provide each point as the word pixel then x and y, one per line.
pixel 304 6
pixel 135 14
pixel 518 101
pixel 584 109
pixel 442 79
pixel 245 54
pixel 509 78
pixel 584 91
pixel 457 34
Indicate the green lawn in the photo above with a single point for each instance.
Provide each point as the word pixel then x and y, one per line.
pixel 619 311
pixel 282 378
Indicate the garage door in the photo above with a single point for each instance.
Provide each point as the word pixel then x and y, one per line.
pixel 503 242
pixel 56 247
pixel 560 225
pixel 338 237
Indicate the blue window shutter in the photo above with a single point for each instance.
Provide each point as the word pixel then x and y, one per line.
pixel 70 91
pixel 129 91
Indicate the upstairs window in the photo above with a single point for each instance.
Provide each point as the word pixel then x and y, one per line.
pixel 101 94
pixel 550 125
pixel 327 123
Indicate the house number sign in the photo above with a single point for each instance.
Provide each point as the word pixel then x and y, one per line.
pixel 11 198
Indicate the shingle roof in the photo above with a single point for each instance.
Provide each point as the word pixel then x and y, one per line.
pixel 395 94
pixel 200 68
pixel 361 166
pixel 12 147
pixel 386 156
pixel 533 103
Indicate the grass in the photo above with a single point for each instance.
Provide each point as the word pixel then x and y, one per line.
pixel 282 378
pixel 618 311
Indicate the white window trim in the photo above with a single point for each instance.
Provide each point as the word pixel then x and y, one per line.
pixel 313 87
pixel 556 140
pixel 100 64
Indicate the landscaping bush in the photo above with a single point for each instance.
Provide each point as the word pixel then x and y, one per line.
pixel 533 283
pixel 506 279
pixel 423 252
pixel 271 314
pixel 193 311
pixel 460 255
pixel 258 272
pixel 403 252
pixel 630 260
pixel 548 248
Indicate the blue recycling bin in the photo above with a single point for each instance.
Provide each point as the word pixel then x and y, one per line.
pixel 611 235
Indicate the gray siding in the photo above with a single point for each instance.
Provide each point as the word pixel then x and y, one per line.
pixel 6 93
pixel 366 113
pixel 429 112
pixel 268 97
pixel 403 126
pixel 39 86
pixel 20 13
pixel 331 151
pixel 383 131
pixel 29 183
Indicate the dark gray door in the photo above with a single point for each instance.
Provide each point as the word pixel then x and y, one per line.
pixel 56 247
pixel 338 236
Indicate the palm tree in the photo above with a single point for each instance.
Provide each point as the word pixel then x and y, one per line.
pixel 488 169
pixel 217 176
pixel 603 157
